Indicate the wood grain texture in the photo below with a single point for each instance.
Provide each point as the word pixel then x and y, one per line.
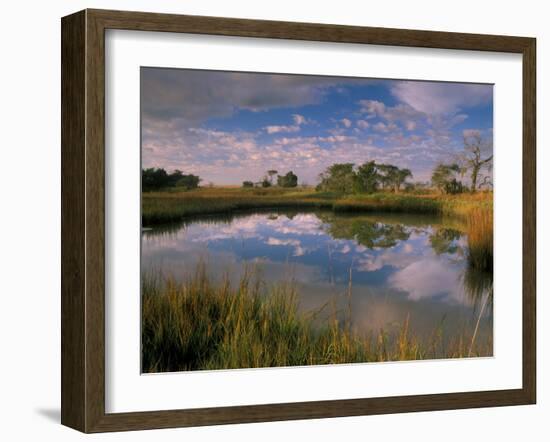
pixel 73 256
pixel 95 221
pixel 143 21
pixel 83 220
pixel 529 220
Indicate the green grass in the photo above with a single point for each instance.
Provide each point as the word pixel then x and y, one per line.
pixel 199 325
pixel 169 206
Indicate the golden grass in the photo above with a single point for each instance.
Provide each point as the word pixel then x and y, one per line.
pixel 480 238
pixel 197 325
pixel 169 206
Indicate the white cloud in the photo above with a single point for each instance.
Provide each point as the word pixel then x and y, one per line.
pixel 385 128
pixel 279 129
pixel 372 107
pixel 299 119
pixel 471 132
pixel 282 242
pixel 441 98
pixel 380 127
pixel 401 113
pixel 387 257
pixel 176 105
pixel 299 251
pixel 346 249
pixel 230 157
pixel 427 278
pixel 457 119
pixel 346 122
pixel 408 248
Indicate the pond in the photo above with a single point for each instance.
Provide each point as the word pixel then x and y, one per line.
pixel 383 269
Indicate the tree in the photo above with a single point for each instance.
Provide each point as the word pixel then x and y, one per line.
pixel 444 179
pixel 288 180
pixel 475 148
pixel 271 174
pixel 453 187
pixel 339 177
pixel 400 177
pixel 265 182
pixel 155 179
pixel 392 176
pixel 188 182
pixel 386 172
pixel 248 184
pixel 174 177
pixel 367 178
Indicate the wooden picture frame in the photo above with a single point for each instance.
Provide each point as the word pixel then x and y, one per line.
pixel 83 220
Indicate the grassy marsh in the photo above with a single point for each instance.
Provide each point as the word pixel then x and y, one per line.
pixel 480 239
pixel 198 325
pixel 172 205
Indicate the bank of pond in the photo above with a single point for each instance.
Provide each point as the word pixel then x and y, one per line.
pixel 308 286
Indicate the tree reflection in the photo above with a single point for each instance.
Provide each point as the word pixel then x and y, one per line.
pixel 366 232
pixel 443 240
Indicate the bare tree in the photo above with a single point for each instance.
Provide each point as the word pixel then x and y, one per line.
pixel 475 148
pixel 271 174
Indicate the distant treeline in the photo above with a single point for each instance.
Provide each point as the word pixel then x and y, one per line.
pixel 475 162
pixel 154 179
pixel 369 177
pixel 290 179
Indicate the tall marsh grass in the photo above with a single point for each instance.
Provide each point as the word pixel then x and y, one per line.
pixel 480 239
pixel 198 325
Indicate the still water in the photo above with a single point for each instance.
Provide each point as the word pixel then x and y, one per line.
pixel 384 268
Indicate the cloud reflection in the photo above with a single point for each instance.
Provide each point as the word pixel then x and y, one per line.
pixel 428 278
pixel 398 257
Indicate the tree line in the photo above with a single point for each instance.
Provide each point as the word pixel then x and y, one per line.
pixel 368 177
pixel 158 178
pixel 290 179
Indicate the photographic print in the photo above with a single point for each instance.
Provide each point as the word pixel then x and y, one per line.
pixel 299 220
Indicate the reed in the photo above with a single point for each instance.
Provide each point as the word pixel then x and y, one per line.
pixel 480 239
pixel 196 325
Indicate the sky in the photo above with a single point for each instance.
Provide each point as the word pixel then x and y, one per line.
pixel 228 127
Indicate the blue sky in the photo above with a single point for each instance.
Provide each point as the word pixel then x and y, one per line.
pixel 229 127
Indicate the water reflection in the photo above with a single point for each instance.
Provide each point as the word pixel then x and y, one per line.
pixel 401 265
pixel 444 240
pixel 366 232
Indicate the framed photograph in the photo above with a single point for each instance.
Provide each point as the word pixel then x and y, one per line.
pixel 268 221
